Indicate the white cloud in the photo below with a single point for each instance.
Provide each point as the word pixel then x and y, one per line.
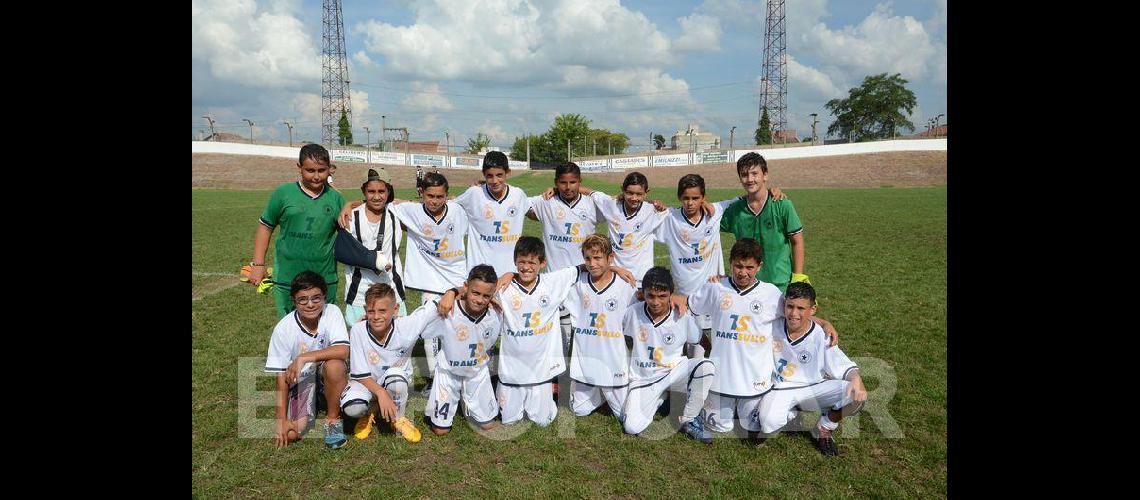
pixel 426 98
pixel 881 43
pixel 359 101
pixel 308 107
pixel 244 45
pixel 654 86
pixel 361 57
pixel 810 83
pixel 698 33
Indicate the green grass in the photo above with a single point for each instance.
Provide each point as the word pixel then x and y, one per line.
pixel 877 257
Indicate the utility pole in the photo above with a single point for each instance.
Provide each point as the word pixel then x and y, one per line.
pixel 447 137
pixel 814 120
pixel 367 137
pixel 528 150
pixel 568 157
pixel 596 145
pixel 250 129
pixel 731 133
pixel 290 125
pixel 211 120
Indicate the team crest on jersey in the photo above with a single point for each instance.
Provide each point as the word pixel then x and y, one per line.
pixel 304 348
pixel 685 235
pixel 669 338
pixel 516 302
pixel 373 357
pixel 768 224
pixel 611 305
pixel 805 357
pixel 451 228
pixel 708 230
pixel 643 333
pixel 585 301
pixel 561 214
pixel 428 231
pixel 544 300
pixel 486 333
pixel 755 415
pixel 512 211
pixel 725 302
pixel 328 210
pixel 777 345
pixel 488 213
pixel 461 332
pixel 637 227
pixel 755 307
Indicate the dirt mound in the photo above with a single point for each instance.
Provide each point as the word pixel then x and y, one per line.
pixel 899 169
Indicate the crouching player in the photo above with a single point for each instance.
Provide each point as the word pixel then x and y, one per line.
pixel 381 362
pixel 466 333
pixel 307 351
pixel 803 358
pixel 659 362
pixel 599 363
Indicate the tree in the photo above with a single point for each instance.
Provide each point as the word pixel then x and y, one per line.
pixel 659 140
pixel 873 110
pixel 606 141
pixel 477 143
pixel 344 134
pixel 764 130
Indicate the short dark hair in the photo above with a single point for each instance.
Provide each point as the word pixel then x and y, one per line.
pixel 746 248
pixel 529 245
pixel 633 178
pixel 496 159
pixel 316 152
pixel 750 160
pixel 433 179
pixel 484 273
pixel 800 290
pixel 657 278
pixel 567 167
pixel 690 181
pixel 305 280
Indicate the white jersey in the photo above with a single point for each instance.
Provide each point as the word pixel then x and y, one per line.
pixel 531 350
pixel 658 346
pixel 383 235
pixel 564 227
pixel 808 360
pixel 439 260
pixel 631 234
pixel 694 249
pixel 371 358
pixel 495 226
pixel 465 340
pixel 290 339
pixel 599 356
pixel 744 323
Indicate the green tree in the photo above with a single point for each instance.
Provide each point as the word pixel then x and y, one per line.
pixel 573 128
pixel 764 130
pixel 606 141
pixel 344 134
pixel 659 141
pixel 873 110
pixel 477 143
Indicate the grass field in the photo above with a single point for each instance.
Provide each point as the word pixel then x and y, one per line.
pixel 877 257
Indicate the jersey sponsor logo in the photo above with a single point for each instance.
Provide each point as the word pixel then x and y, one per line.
pixel 756 306
pixel 784 370
pixel 531 325
pixel 373 357
pixel 725 302
pixel 690 260
pixel 741 337
pixel 669 338
pixel 461 332
pixel 611 305
pixel 488 213
pixel 596 328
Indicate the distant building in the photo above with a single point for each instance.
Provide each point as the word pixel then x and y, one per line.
pixel 694 138
pixel 419 146
pixel 226 137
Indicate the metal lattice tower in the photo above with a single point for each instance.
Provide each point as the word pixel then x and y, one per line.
pixel 334 72
pixel 774 84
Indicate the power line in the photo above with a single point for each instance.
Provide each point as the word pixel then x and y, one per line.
pixel 610 96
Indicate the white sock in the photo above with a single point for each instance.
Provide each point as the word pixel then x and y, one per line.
pixel 826 423
pixel 703 376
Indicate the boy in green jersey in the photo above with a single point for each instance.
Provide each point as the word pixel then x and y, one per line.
pixel 771 221
pixel 306 212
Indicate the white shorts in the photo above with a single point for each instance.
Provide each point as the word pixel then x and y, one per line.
pixel 356 392
pixel 645 396
pixel 537 400
pixel 431 347
pixel 479 402
pixel 585 398
pixel 705 321
pixel 721 411
pixel 776 407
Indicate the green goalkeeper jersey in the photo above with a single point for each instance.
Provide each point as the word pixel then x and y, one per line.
pixel 773 227
pixel 307 230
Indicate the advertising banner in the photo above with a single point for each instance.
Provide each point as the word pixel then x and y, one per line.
pixel 631 162
pixel 670 160
pixel 351 156
pixel 427 160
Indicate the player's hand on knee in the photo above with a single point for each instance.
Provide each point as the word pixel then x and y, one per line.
pixel 294 369
pixel 387 407
pixel 856 390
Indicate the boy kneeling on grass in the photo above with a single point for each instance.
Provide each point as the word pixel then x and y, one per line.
pixel 307 352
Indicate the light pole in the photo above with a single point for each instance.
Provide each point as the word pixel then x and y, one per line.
pixel 250 129
pixel 367 136
pixel 290 125
pixel 528 150
pixel 731 134
pixel 814 120
pixel 596 145
pixel 383 132
pixel 447 138
pixel 211 120
pixel 938 120
pixel 568 149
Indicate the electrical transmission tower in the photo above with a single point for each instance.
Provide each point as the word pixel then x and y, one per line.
pixel 334 72
pixel 774 84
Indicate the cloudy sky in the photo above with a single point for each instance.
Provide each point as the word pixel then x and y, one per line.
pixel 507 67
